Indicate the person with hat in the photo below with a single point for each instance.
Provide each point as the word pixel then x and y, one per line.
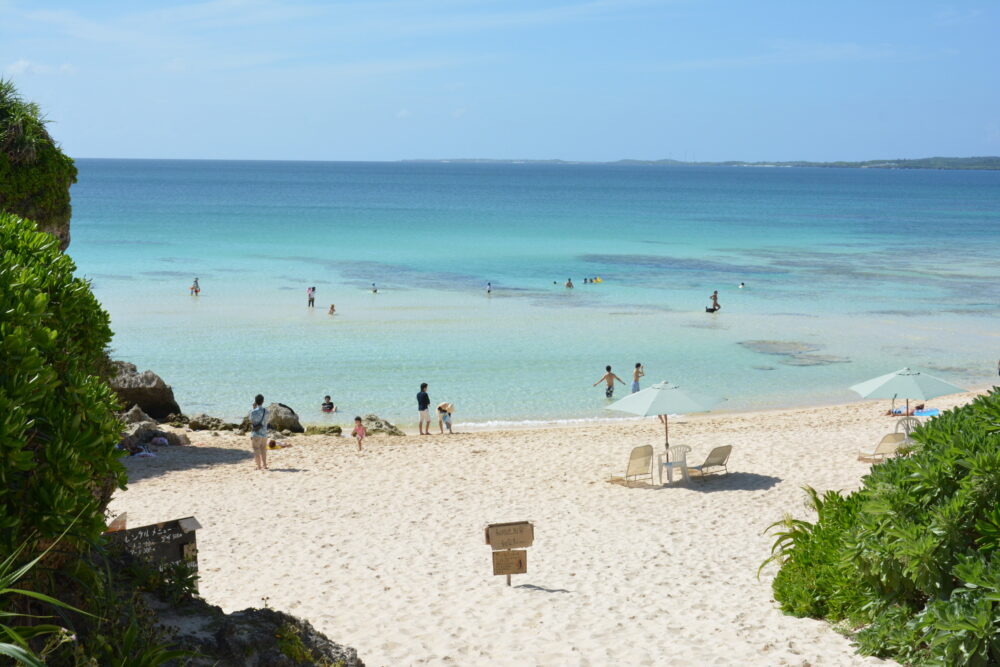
pixel 444 416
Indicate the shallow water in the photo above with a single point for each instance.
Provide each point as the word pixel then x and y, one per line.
pixel 849 274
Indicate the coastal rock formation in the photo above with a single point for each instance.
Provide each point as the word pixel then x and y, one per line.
pixel 333 429
pixel 146 389
pixel 203 422
pixel 135 415
pixel 280 417
pixel 261 637
pixel 375 424
pixel 142 433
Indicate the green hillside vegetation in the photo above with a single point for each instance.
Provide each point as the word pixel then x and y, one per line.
pixel 35 175
pixel 910 563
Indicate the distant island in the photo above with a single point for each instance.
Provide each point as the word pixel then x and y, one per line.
pixel 992 163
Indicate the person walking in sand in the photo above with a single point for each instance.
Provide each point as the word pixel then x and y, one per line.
pixel 636 374
pixel 609 378
pixel 359 432
pixel 258 432
pixel 311 297
pixel 423 402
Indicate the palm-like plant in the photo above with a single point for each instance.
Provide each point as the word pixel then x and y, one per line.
pixel 22 126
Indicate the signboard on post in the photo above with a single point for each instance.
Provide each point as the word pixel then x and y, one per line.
pixel 510 562
pixel 508 541
pixel 162 544
pixel 516 535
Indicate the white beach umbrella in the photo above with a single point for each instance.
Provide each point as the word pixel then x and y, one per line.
pixel 906 383
pixel 664 399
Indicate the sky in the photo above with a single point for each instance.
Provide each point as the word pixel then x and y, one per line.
pixel 575 80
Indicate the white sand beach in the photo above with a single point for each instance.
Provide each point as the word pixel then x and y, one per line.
pixel 384 551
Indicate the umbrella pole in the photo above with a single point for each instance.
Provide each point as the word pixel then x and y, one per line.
pixel 666 431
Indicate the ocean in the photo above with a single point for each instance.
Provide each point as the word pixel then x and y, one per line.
pixel 848 273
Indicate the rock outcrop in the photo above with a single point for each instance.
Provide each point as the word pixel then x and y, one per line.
pixel 260 637
pixel 135 415
pixel 280 417
pixel 332 429
pixel 143 433
pixel 146 389
pixel 375 424
pixel 203 422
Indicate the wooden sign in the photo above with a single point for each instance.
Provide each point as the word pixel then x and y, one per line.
pixel 162 544
pixel 516 535
pixel 510 562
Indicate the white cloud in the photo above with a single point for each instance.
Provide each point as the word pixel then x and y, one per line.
pixel 23 66
pixel 788 53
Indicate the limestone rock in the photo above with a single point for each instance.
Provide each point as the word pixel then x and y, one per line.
pixel 135 415
pixel 142 433
pixel 202 422
pixel 146 389
pixel 332 429
pixel 375 424
pixel 260 637
pixel 280 417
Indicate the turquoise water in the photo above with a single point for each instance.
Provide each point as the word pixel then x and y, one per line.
pixel 871 269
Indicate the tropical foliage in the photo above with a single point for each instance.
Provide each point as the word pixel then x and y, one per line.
pixel 58 428
pixel 911 561
pixel 35 175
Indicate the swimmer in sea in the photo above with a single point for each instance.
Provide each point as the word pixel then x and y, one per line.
pixel 569 283
pixel 374 289
pixel 636 374
pixel 489 288
pixel 332 310
pixel 742 285
pixel 195 287
pixel 327 405
pixel 610 378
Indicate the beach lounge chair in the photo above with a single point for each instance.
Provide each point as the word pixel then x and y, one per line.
pixel 640 464
pixel 714 464
pixel 885 448
pixel 676 457
pixel 906 425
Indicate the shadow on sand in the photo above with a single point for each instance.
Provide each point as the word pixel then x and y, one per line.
pixel 542 588
pixel 171 459
pixel 734 481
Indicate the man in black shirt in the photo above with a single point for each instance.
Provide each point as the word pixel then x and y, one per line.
pixel 423 402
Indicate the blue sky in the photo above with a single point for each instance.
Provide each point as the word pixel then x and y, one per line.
pixel 601 80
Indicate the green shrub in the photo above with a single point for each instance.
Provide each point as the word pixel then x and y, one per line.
pixel 35 175
pixel 58 428
pixel 913 557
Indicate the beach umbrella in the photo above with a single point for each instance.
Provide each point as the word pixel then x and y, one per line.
pixel 905 383
pixel 664 399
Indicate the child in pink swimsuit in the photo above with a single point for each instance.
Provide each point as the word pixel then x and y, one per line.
pixel 359 432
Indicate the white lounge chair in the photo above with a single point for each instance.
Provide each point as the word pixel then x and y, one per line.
pixel 676 457
pixel 640 464
pixel 885 448
pixel 714 464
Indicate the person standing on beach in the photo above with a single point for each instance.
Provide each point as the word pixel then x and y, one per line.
pixel 636 374
pixel 610 378
pixel 423 402
pixel 258 432
pixel 311 297
pixel 359 432
pixel 489 288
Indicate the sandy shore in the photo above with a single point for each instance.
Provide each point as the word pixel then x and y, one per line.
pixel 384 551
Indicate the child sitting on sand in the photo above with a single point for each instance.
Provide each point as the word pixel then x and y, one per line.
pixel 359 432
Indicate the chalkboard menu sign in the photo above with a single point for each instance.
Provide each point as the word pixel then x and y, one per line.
pixel 162 544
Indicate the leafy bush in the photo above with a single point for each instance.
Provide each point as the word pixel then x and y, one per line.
pixel 912 558
pixel 58 428
pixel 35 175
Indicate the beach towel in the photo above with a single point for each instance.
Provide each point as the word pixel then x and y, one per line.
pixel 933 412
